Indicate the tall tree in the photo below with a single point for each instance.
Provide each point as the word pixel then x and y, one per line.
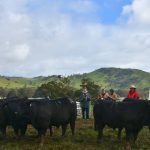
pixel 55 89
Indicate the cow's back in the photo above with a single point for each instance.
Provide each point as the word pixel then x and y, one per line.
pixel 54 112
pixel 134 112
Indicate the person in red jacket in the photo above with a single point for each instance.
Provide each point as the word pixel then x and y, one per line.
pixel 133 94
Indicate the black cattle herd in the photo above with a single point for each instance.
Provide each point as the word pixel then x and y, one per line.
pixel 43 114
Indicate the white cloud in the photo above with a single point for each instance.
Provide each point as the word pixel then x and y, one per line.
pixel 138 12
pixel 21 52
pixel 37 42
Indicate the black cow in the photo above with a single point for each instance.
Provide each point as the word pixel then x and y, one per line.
pixel 137 116
pixel 14 112
pixel 3 120
pixel 47 113
pixel 105 113
pixel 129 115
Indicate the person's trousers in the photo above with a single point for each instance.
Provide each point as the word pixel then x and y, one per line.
pixel 85 113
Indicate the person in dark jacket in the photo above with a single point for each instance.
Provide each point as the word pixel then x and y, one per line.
pixel 85 104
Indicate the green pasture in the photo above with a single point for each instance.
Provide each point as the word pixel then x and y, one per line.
pixel 84 139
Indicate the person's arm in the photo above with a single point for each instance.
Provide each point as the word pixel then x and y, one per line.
pixel 115 96
pixel 137 95
pixel 81 99
pixel 112 97
pixel 88 97
pixel 106 96
pixel 128 96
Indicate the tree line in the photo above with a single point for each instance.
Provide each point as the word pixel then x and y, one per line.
pixel 62 88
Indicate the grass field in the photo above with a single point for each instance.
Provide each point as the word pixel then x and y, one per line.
pixel 84 139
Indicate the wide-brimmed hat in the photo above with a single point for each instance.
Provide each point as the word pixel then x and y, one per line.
pixel 132 87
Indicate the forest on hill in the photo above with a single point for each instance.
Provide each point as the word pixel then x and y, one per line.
pixel 116 78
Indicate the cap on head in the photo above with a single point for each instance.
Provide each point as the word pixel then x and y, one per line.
pixel 132 87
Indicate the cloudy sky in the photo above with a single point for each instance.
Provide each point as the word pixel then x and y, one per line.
pixel 45 37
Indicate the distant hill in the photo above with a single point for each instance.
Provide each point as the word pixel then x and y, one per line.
pixel 116 78
pixel 20 82
pixel 106 77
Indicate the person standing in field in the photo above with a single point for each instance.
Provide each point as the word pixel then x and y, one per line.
pixel 85 104
pixel 133 94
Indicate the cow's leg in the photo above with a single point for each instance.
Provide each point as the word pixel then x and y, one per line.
pixel 135 134
pixel 23 130
pixel 95 124
pixel 129 133
pixel 149 128
pixel 83 113
pixel 128 146
pixel 39 134
pixel 64 127
pixel 41 140
pixel 128 136
pixel 72 126
pixel 51 130
pixel 119 134
pixel 3 130
pixel 42 133
pixel 87 113
pixel 16 130
pixel 100 132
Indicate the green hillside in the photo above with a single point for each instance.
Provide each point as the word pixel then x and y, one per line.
pixel 14 82
pixel 121 78
pixel 19 82
pixel 105 77
pixel 115 78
